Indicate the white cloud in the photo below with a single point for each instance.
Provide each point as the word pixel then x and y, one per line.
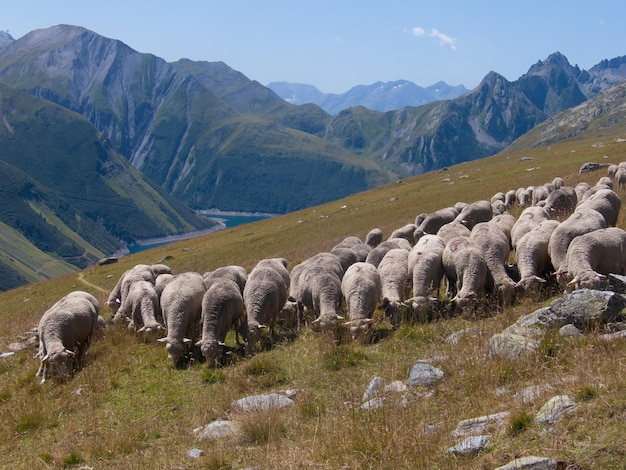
pixel 444 39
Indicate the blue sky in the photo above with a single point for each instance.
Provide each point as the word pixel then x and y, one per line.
pixel 336 45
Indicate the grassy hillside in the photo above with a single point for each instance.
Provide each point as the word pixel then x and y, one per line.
pixel 129 409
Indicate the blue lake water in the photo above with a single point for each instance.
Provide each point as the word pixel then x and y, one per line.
pixel 226 219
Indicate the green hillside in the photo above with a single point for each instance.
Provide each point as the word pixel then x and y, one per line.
pixel 129 409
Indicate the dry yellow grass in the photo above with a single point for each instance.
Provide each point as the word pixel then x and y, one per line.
pixel 129 409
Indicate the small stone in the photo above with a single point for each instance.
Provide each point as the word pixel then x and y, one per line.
pixel 195 453
pixel 396 386
pixel 554 409
pixel 262 402
pixel 530 463
pixel 424 374
pixel 216 430
pixel 569 331
pixel 478 425
pixel 470 445
pixel 373 404
pixel 373 388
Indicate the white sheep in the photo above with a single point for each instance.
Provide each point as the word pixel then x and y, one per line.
pixel 509 198
pixel 505 222
pixel 181 304
pixel 606 202
pixel 594 255
pixel 407 232
pixel 374 237
pixel 361 287
pixel 222 311
pixel 140 272
pixel 528 220
pixel 456 228
pixel 395 282
pixel 425 269
pixel 141 305
pixel 495 247
pixel 435 220
pixel 620 178
pixel 65 331
pixel 474 213
pixel 561 202
pixel 466 271
pixel 264 296
pixel 532 256
pixel 235 273
pixel 580 222
pixel 377 254
pixel 320 294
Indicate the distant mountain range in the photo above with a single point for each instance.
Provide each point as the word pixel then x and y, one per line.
pixel 101 145
pixel 379 96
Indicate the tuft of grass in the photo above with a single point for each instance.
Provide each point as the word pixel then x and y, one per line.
pixel 520 422
pixel 343 356
pixel 264 372
pixel 586 393
pixel 262 426
pixel 71 459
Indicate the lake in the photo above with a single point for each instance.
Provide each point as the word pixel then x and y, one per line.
pixel 225 219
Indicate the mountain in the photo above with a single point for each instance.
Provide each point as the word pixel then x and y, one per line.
pixel 604 114
pixel 68 197
pixel 5 39
pixel 201 131
pixel 210 137
pixel 379 96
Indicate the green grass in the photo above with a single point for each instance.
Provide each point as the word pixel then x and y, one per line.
pixel 128 408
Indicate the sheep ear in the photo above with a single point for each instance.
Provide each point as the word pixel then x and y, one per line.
pixel 45 358
pixel 348 323
pixel 143 328
pixel 573 282
pixel 339 317
pixel 198 343
pixel 162 340
pixel 186 340
pixel 70 353
pixel 261 327
pixel 601 276
pixel 316 321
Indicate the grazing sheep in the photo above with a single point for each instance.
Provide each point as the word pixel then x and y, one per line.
pixel 495 246
pixel 140 272
pixel 594 255
pixel 456 228
pixel 320 294
pixel 65 331
pixel 235 273
pixel 264 296
pixel 612 170
pixel 528 219
pixel 524 197
pixel 435 220
pixel 558 182
pixel 406 232
pixel 361 250
pixel 620 178
pixel 606 202
pixel 532 256
pixel 499 196
pixel 395 282
pixel 425 269
pixel 374 237
pixel 581 189
pixel 377 254
pixel 498 208
pixel 141 305
pixel 540 193
pixel 350 241
pixel 346 256
pixel 362 290
pixel 181 304
pixel 222 311
pixel 509 198
pixel 579 223
pixel 161 281
pixel 561 202
pixel 419 218
pixel 466 271
pixel 606 182
pixel 505 222
pixel 474 213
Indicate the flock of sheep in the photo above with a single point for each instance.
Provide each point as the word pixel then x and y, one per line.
pixel 565 236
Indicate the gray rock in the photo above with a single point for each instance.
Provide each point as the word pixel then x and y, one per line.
pixel 585 308
pixel 195 453
pixel 424 374
pixel 262 402
pixel 470 445
pixel 511 345
pixel 614 336
pixel 6 354
pixel 374 388
pixel 530 463
pixel 554 409
pixel 569 331
pixel 216 430
pixel 373 404
pixel 457 335
pixel 531 393
pixel 396 386
pixel 617 283
pixel 474 426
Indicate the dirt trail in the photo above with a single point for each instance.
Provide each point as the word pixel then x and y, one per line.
pixel 82 279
